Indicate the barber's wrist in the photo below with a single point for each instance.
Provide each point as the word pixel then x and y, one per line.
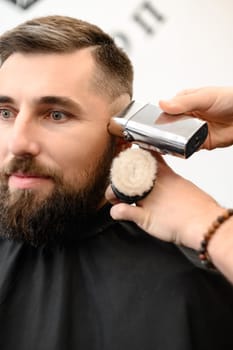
pixel 199 224
pixel 220 246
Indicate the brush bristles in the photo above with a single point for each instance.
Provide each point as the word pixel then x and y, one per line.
pixel 133 172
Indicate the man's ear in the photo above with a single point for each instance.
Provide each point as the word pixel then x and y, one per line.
pixel 118 105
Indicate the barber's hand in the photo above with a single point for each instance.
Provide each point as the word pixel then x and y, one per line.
pixel 212 104
pixel 175 210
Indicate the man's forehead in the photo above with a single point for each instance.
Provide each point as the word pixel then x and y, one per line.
pixel 51 74
pixel 72 63
pixel 55 78
pixel 74 54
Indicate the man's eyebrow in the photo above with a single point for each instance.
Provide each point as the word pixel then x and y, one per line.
pixel 6 99
pixel 50 100
pixel 60 101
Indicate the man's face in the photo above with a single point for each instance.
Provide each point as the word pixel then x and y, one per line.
pixel 53 136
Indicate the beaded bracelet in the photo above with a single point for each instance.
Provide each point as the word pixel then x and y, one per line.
pixel 203 251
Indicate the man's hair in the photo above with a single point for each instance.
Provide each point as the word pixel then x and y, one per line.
pixel 62 34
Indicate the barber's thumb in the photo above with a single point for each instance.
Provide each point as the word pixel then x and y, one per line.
pixel 187 101
pixel 172 106
pixel 123 211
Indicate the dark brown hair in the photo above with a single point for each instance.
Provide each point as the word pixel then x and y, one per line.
pixel 62 34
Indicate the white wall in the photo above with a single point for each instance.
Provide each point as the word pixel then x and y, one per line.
pixel 192 46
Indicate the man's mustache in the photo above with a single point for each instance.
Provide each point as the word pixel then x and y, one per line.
pixel 29 166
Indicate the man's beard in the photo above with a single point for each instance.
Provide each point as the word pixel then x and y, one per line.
pixel 25 216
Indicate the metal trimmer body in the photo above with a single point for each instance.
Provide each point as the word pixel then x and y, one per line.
pixel 148 126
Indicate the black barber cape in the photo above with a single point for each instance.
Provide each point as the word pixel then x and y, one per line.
pixel 111 288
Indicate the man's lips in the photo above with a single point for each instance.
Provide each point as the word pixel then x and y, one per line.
pixel 23 181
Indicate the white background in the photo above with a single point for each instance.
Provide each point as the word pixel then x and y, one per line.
pixel 193 47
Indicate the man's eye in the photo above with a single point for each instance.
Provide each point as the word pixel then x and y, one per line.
pixel 5 114
pixel 57 116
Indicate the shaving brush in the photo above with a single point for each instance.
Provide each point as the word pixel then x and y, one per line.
pixel 133 174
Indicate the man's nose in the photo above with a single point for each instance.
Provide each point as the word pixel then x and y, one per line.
pixel 23 138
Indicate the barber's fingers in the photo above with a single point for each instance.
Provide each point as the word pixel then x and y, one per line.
pixel 136 214
pixel 127 212
pixel 188 101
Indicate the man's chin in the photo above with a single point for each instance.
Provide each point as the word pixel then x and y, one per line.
pixel 36 193
pixel 33 195
pixel 42 218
